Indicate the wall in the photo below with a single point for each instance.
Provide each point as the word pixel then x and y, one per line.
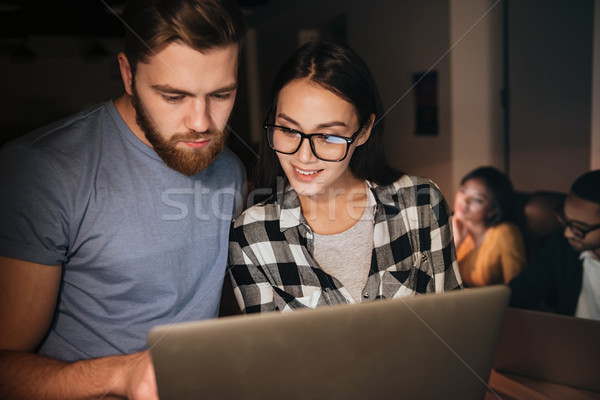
pixel 550 61
pixel 549 76
pixel 58 81
pixel 595 139
pixel 396 39
pixel 476 82
pixel 550 79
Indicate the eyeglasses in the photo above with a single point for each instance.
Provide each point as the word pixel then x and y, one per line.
pixel 325 147
pixel 580 233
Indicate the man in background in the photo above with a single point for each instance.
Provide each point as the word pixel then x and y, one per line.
pixel 565 277
pixel 115 220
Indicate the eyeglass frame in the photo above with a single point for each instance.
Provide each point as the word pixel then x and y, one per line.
pixel 577 231
pixel 349 140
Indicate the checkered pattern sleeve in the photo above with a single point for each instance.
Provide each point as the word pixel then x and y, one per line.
pixel 252 289
pixel 270 266
pixel 443 254
pixel 413 245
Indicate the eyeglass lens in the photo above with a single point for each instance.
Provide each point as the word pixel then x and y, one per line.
pixel 328 148
pixel 577 231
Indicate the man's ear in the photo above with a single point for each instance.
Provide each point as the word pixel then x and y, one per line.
pixel 366 133
pixel 126 73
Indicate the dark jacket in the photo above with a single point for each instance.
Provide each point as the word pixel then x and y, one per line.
pixel 552 280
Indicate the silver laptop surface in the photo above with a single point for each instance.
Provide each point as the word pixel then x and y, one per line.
pixel 550 348
pixel 424 347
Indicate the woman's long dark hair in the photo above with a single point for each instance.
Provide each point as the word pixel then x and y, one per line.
pixel 340 70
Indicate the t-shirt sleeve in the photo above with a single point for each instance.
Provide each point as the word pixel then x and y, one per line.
pixel 448 277
pixel 237 172
pixel 33 222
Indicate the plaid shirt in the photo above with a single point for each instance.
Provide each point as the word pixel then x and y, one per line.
pixel 271 247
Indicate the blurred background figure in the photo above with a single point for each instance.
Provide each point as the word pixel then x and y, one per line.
pixel 489 243
pixel 565 277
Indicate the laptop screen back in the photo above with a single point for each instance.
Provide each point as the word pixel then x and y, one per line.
pixel 427 347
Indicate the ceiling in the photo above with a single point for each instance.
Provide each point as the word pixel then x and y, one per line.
pixel 22 18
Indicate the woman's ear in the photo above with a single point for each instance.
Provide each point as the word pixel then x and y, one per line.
pixel 126 74
pixel 366 133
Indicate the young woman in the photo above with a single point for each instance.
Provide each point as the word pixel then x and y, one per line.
pixel 342 226
pixel 489 244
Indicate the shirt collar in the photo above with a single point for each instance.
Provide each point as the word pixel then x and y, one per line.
pixel 290 214
pixel 387 200
pixel 289 208
pixel 587 254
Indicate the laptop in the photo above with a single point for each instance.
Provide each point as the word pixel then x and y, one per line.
pixel 429 346
pixel 552 348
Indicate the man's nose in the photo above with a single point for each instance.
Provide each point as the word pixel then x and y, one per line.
pixel 568 232
pixel 198 117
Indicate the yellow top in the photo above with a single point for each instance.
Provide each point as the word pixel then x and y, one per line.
pixel 500 257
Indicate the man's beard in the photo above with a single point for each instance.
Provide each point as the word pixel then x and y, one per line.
pixel 187 161
pixel 580 246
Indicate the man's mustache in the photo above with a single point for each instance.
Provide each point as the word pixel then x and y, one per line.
pixel 193 135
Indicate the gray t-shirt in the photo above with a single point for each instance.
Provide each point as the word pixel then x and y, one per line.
pixel 141 244
pixel 347 255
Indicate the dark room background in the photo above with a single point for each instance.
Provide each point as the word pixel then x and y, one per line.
pixel 515 83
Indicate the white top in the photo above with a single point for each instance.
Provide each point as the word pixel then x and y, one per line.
pixel 589 298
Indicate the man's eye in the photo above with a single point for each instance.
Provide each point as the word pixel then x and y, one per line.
pixel 222 96
pixel 173 99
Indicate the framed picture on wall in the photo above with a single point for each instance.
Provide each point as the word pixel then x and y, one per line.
pixel 426 102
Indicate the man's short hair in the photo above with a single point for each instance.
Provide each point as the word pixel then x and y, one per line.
pixel 200 24
pixel 587 186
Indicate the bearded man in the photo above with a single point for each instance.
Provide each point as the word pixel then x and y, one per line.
pixel 115 220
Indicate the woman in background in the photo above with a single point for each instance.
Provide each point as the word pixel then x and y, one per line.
pixel 490 248
pixel 342 226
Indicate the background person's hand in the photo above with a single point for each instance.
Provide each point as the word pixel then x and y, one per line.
pixel 459 230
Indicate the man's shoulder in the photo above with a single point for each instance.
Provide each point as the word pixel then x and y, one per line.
pixel 66 144
pixel 558 242
pixel 557 254
pixel 557 239
pixel 74 129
